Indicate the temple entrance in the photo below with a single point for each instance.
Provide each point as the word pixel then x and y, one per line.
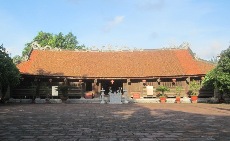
pixel 114 85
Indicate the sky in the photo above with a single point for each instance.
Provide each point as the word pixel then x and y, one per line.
pixel 133 24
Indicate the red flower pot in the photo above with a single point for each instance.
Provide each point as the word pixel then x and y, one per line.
pixel 163 99
pixel 136 96
pixel 194 98
pixel 177 99
pixel 89 95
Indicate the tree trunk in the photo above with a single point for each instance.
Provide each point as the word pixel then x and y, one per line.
pixel 3 91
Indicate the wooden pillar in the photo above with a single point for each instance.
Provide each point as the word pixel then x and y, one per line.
pixel 95 89
pixel 128 88
pixel 99 88
pixel 83 89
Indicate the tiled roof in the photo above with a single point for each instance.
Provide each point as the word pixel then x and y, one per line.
pixel 167 62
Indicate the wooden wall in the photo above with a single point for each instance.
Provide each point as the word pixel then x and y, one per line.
pixel 27 87
pixel 137 86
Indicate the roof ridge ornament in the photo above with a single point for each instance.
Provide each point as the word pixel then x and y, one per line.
pixel 184 45
pixel 108 48
pixel 35 45
pixel 25 58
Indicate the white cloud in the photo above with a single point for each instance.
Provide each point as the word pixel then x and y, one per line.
pixel 113 23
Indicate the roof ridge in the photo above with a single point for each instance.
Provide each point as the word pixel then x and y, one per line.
pixel 35 45
pixel 206 61
pixel 80 50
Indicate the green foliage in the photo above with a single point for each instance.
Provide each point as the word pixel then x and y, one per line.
pixel 178 90
pixel 64 90
pixel 70 41
pixel 162 89
pixel 59 40
pixel 223 72
pixel 44 38
pixel 46 89
pixel 9 74
pixel 210 79
pixel 224 62
pixel 219 77
pixel 194 87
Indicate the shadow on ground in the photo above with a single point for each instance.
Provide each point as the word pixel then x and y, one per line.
pixel 124 122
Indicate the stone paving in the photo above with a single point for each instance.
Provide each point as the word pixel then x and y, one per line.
pixel 115 122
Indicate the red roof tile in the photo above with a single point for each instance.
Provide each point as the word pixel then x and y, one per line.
pixel 168 62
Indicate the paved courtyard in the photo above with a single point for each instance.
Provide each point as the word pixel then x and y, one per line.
pixel 106 122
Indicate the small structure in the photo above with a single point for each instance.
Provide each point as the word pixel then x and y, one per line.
pixel 115 97
pixel 102 96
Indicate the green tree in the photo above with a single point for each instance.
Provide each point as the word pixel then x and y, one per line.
pixel 223 71
pixel 219 77
pixel 9 74
pixel 210 80
pixel 59 40
pixel 71 41
pixel 44 38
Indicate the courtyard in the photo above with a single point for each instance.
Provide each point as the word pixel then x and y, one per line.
pixel 115 122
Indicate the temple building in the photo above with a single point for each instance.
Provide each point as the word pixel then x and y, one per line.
pixel 91 71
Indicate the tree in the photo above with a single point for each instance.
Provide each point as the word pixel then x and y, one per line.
pixel 223 71
pixel 210 79
pixel 9 74
pixel 59 40
pixel 219 77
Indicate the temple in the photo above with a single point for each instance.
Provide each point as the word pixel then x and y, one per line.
pixel 137 71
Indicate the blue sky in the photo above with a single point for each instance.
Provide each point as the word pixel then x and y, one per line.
pixel 142 24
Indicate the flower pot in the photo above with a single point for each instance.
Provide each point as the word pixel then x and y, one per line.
pixel 177 99
pixel 64 98
pixel 194 98
pixel 89 95
pixel 162 99
pixel 136 96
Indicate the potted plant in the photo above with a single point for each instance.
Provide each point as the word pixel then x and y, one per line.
pixel 45 91
pixel 178 93
pixel 64 91
pixel 194 87
pixel 89 95
pixel 162 95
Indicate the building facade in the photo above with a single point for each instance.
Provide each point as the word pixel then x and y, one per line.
pixel 91 71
